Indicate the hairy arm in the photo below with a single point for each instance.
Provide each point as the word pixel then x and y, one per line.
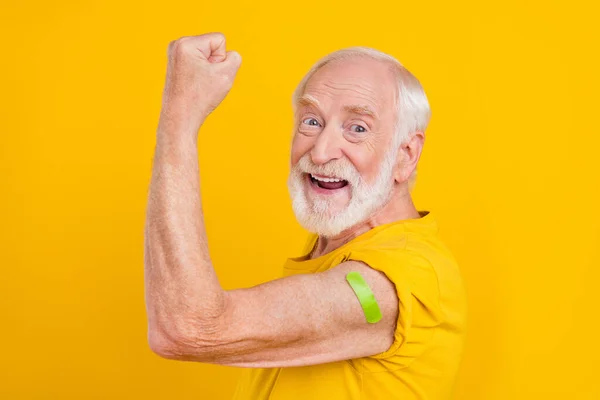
pixel 298 320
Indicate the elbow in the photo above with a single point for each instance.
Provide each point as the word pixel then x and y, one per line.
pixel 163 344
pixel 184 344
pixel 199 337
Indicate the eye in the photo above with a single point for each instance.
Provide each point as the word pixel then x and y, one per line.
pixel 311 122
pixel 358 128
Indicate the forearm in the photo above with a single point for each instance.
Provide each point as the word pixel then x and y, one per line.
pixel 182 289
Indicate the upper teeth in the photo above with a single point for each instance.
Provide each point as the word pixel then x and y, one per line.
pixel 327 179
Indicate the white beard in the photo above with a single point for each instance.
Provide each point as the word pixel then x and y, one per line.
pixel 316 215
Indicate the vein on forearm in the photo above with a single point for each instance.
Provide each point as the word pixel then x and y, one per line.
pixel 181 284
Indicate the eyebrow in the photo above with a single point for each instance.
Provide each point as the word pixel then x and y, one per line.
pixel 360 110
pixel 309 101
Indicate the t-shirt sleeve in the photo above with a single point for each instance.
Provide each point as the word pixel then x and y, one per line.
pixel 419 311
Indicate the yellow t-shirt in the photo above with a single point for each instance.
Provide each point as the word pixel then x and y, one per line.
pixel 424 358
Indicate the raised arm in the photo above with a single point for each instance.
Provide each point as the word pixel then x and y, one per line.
pixel 298 320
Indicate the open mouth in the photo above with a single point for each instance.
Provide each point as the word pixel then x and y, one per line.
pixel 329 183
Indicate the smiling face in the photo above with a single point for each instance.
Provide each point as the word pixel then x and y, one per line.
pixel 342 155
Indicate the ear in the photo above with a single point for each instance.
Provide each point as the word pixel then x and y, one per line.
pixel 408 156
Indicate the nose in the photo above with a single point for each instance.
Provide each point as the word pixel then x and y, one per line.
pixel 327 147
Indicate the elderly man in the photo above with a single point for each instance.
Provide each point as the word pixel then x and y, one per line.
pixel 374 307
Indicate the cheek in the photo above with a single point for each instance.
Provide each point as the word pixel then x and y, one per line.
pixel 300 146
pixel 366 163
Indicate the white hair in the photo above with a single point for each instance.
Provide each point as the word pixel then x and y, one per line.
pixel 412 107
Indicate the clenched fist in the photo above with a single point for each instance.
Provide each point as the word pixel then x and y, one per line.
pixel 200 73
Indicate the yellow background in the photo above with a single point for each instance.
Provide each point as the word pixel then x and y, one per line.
pixel 510 168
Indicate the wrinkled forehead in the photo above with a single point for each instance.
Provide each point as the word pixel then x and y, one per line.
pixel 357 80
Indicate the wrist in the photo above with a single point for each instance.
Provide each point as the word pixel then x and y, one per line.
pixel 178 125
pixel 168 137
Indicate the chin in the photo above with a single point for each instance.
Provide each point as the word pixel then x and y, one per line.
pixel 326 223
pixel 331 213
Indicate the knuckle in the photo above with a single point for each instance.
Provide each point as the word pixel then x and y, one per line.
pixel 170 47
pixel 180 47
pixel 216 35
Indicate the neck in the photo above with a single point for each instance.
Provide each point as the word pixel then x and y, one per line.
pixel 400 207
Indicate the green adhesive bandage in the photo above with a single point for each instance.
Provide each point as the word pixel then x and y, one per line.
pixel 365 297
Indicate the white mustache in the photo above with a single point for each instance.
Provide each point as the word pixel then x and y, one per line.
pixel 341 168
